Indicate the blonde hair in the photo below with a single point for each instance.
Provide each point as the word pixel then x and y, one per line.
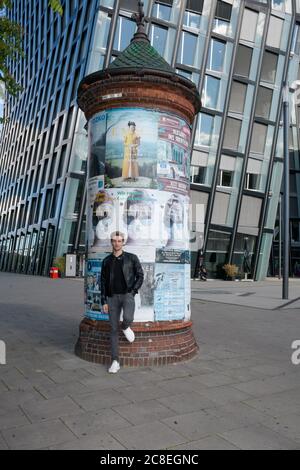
pixel 117 234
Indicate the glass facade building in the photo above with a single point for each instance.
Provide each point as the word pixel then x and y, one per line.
pixel 237 52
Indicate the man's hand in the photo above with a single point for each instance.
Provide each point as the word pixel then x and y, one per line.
pixel 105 308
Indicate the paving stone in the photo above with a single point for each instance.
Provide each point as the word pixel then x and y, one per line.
pixel 277 404
pixel 97 400
pixel 11 418
pixel 174 371
pixel 61 376
pixel 186 402
pixel 71 364
pixel 214 379
pixel 270 385
pixel 61 390
pixel 140 376
pixel 3 387
pixel 288 426
pixel 148 436
pixel 194 426
pixel 95 422
pixel 11 399
pixel 15 380
pixel 224 394
pixel 50 409
pixel 3 445
pixel 144 412
pixel 101 383
pixel 208 443
pixel 100 442
pixel 144 392
pixel 258 438
pixel 38 435
pixel 182 385
pixel 243 374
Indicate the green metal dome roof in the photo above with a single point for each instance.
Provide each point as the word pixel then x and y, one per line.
pixel 140 54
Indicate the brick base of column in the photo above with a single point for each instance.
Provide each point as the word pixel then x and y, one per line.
pixel 156 343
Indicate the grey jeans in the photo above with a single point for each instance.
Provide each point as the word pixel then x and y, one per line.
pixel 115 304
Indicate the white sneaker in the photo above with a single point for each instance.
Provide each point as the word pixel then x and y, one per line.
pixel 129 334
pixel 114 368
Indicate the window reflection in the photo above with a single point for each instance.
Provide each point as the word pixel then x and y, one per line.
pixel 158 37
pixel 124 33
pixel 162 9
pixel 204 130
pixel 216 55
pixel 210 93
pixel 187 49
pixel 192 14
pixel 222 18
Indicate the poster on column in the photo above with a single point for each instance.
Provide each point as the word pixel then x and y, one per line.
pixel 144 299
pixel 176 220
pixel 139 185
pixel 171 300
pixel 97 142
pixel 131 148
pixel 148 218
pixel 93 288
pixel 173 161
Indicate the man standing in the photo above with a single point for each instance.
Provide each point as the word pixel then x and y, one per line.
pixel 121 277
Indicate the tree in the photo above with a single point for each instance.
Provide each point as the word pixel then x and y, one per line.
pixel 11 48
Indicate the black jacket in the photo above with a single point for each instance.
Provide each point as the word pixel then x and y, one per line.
pixel 132 270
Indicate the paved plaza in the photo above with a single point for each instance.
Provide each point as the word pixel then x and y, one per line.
pixel 241 391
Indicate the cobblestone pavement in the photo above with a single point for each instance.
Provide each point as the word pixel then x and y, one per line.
pixel 240 392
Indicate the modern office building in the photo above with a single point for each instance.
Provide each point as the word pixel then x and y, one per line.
pixel 237 52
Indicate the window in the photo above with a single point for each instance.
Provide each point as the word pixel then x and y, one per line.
pixel 278 5
pixel 162 9
pixel 159 38
pixel 253 175
pixel 269 67
pixel 274 32
pixel 210 93
pixel 216 55
pixel 232 134
pixel 250 215
pixel 222 17
pixel 259 136
pixel 238 97
pixel 204 130
pixel 129 5
pixel 125 30
pixel 252 181
pixel 187 49
pixel 225 178
pixel 47 204
pixel 249 25
pixel 295 229
pixel 192 14
pixel 243 61
pixel 263 104
pixel 44 173
pixel 198 174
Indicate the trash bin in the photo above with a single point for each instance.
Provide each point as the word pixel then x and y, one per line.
pixel 54 273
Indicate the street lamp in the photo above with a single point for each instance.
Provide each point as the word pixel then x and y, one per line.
pixel 286 192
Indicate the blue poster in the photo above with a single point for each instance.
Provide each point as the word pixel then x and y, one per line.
pixel 93 289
